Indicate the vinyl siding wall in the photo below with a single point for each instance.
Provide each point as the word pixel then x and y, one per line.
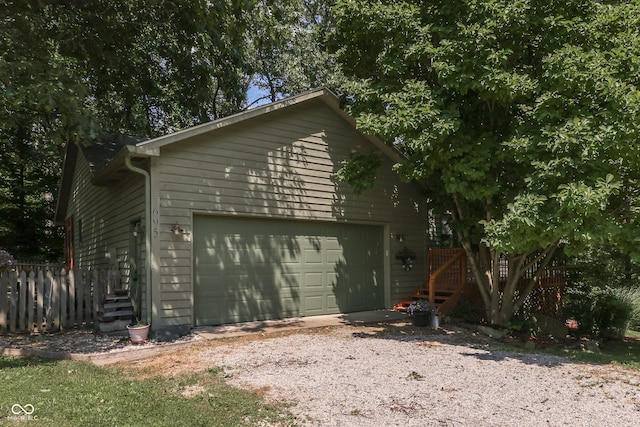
pixel 103 218
pixel 279 165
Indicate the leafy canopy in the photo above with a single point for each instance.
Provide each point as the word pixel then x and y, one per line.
pixel 520 117
pixel 71 68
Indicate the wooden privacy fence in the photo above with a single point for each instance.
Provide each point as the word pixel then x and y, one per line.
pixel 44 299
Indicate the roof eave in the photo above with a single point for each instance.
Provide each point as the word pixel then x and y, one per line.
pixel 156 143
pixel 118 162
pixel 152 147
pixel 332 101
pixel 66 180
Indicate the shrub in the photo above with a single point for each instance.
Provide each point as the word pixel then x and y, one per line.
pixel 631 295
pixel 6 261
pixel 603 312
pixel 603 291
pixel 468 310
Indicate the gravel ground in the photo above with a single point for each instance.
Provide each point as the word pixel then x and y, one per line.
pixel 83 341
pixel 351 378
pixel 395 375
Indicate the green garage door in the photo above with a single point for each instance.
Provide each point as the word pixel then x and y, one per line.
pixel 253 269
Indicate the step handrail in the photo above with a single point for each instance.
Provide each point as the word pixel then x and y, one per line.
pixel 444 267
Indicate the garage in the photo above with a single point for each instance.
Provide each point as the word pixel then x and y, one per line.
pixel 249 269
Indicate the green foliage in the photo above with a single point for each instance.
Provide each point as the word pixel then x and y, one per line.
pixel 360 171
pixel 526 320
pixel 468 311
pixel 6 261
pixel 603 291
pixel 603 312
pixel 69 69
pixel 286 48
pixel 80 394
pixel 520 118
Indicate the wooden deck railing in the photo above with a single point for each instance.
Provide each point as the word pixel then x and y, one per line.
pixel 448 279
pixel 450 270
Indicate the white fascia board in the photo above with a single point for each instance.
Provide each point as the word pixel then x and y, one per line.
pixel 150 146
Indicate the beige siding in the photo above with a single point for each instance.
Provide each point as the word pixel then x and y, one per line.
pixel 102 219
pixel 279 165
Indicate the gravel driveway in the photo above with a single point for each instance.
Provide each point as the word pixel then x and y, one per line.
pixel 379 376
pixel 395 375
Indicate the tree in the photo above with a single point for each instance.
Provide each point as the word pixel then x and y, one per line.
pixel 69 68
pixel 152 68
pixel 41 106
pixel 287 48
pixel 520 118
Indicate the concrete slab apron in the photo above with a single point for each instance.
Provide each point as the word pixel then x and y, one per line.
pixel 267 326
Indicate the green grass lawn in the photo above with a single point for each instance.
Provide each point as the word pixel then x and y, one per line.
pixel 66 393
pixel 625 353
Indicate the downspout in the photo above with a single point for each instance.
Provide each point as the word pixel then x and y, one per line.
pixel 147 228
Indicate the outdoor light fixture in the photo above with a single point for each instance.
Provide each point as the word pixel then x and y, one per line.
pixel 406 256
pixel 400 237
pixel 176 229
pixel 137 229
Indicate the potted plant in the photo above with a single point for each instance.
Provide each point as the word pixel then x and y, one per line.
pixel 138 332
pixel 422 313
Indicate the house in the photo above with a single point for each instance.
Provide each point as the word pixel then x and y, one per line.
pixel 243 219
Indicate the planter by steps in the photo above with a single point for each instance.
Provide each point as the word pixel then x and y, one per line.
pixel 138 333
pixel 421 319
pixel 421 311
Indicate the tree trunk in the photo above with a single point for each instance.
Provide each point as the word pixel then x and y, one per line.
pixel 501 288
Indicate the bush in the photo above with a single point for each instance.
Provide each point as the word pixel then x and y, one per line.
pixel 6 261
pixel 468 310
pixel 631 295
pixel 603 312
pixel 603 291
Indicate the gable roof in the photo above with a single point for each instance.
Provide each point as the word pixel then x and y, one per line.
pixel 100 152
pixel 107 156
pixel 151 147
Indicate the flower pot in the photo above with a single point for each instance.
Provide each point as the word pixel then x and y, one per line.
pixel 421 318
pixel 138 334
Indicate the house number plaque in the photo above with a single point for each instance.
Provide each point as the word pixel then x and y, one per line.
pixel 155 217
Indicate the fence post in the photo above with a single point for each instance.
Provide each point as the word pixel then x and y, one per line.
pixel 64 297
pixel 22 300
pixel 13 300
pixel 86 278
pixel 72 298
pixel 40 304
pixel 54 300
pixel 79 285
pixel 97 291
pixel 4 285
pixel 31 299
